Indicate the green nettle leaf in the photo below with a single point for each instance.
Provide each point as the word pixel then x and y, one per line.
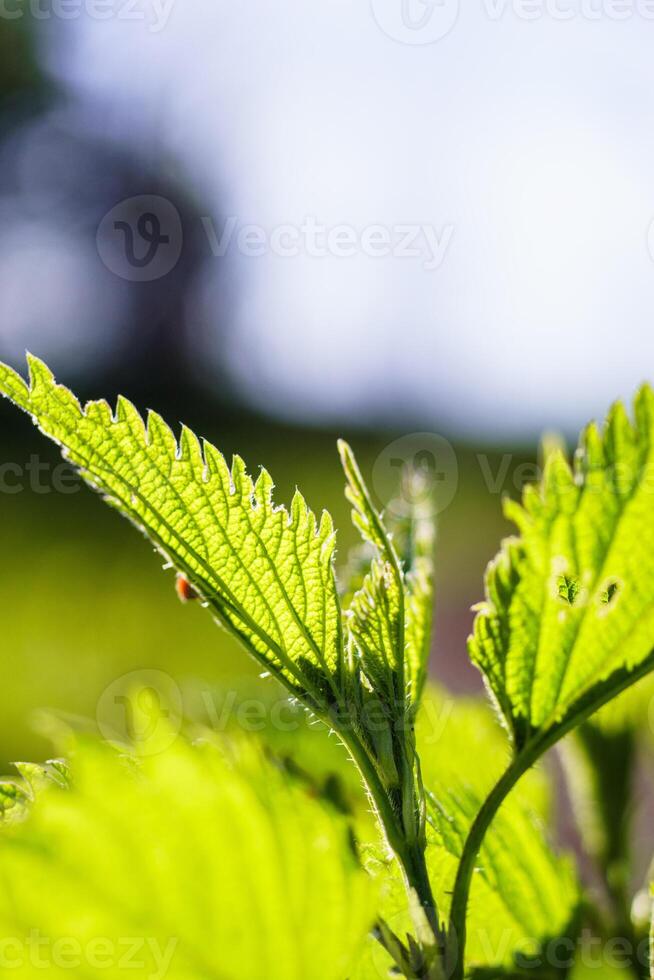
pixel 14 801
pixel 266 572
pixel 16 796
pixel 364 514
pixel 391 613
pixel 376 615
pixel 568 620
pixel 419 579
pixel 200 862
pixel 376 624
pixel 268 575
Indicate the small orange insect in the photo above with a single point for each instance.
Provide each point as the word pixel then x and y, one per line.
pixel 184 589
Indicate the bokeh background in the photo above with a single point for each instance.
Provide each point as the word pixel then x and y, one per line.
pixel 396 220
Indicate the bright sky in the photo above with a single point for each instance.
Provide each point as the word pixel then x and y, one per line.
pixel 518 153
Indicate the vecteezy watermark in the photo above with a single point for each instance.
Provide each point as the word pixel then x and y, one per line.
pixel 416 21
pixel 143 708
pixel 154 14
pixel 567 10
pixel 562 953
pixel 141 238
pixel 229 710
pixel 510 473
pixel 429 455
pixel 422 467
pixel 147 954
pixel 538 957
pixel 39 476
pixel 426 21
pixel 316 240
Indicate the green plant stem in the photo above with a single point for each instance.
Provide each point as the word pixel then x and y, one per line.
pixel 410 856
pixel 414 866
pixel 456 936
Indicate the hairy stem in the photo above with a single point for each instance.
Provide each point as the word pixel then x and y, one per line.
pixel 411 855
pixel 416 876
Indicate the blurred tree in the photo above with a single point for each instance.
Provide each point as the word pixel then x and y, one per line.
pixel 20 75
pixel 62 174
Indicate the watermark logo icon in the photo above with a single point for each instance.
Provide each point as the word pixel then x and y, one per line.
pixel 141 238
pixel 416 21
pixel 426 454
pixel 142 708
